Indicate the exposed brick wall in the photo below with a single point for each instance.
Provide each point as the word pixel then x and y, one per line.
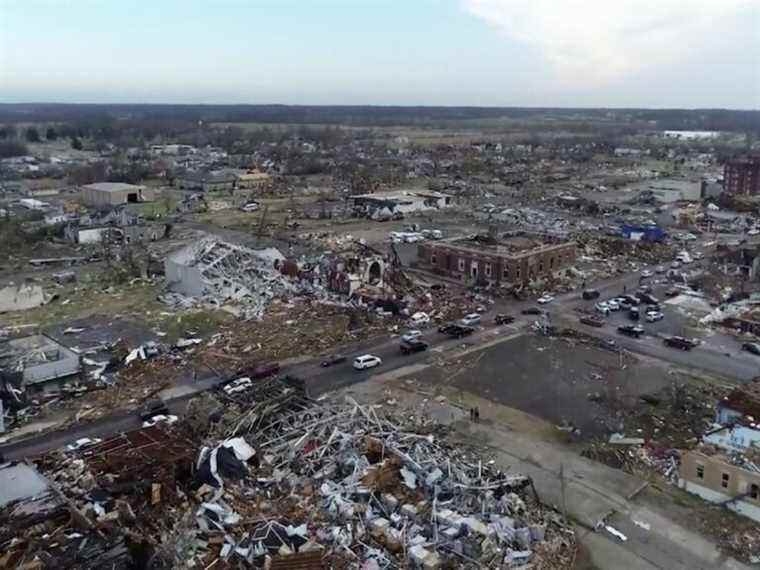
pixel 451 261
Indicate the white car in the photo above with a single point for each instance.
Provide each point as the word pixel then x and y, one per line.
pixel 250 207
pixel 660 269
pixel 239 385
pixel 602 308
pixel 470 320
pixel 653 316
pixel 675 265
pixel 82 443
pixel 366 361
pixel 646 273
pixel 411 335
pixel 613 305
pixel 689 237
pixel 753 232
pixel 544 299
pixel 420 318
pixel 161 419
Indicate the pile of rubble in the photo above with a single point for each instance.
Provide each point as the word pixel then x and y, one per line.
pixel 355 487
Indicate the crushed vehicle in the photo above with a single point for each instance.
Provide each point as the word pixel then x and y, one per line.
pixel 153 408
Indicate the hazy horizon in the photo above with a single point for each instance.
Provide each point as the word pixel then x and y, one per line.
pixel 652 54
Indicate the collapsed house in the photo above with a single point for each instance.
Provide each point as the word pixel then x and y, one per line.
pixel 218 272
pixel 22 297
pixel 37 363
pixel 384 205
pixel 725 469
pixel 346 485
pixel 117 225
pixel 280 481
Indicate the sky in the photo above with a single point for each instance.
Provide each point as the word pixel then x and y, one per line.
pixel 538 53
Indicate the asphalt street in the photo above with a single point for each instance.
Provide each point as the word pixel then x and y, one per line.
pixel 739 366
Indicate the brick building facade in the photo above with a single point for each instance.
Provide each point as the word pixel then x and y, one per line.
pixel 741 176
pixel 515 259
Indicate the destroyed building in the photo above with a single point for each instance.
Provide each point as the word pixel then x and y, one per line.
pixel 725 469
pixel 37 363
pixel 220 271
pixel 514 258
pixel 110 194
pixel 380 204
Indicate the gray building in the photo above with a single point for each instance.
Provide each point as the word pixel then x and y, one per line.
pixel 37 363
pixel 112 194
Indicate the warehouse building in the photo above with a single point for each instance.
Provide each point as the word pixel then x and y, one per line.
pixel 111 194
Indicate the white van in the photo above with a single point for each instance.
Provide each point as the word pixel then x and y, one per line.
pixel 366 361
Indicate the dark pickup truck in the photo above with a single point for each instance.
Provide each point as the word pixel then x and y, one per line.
pixel 411 346
pixel 680 342
pixel 592 321
pixel 502 319
pixel 631 330
pixel 456 331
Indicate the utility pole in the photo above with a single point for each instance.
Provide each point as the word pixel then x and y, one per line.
pixel 562 485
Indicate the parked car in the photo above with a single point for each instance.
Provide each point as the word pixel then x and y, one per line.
pixel 613 305
pixel 161 419
pixel 647 273
pixel 545 299
pixel 456 330
pixel 654 316
pixel 590 294
pixel 152 408
pixel 470 320
pixel 631 299
pixel 366 361
pixel 752 347
pixel 634 314
pixel 631 330
pixel 503 319
pixel 411 346
pixel 532 311
pixel 679 342
pixel 250 207
pixel 237 386
pixel 411 335
pixel 592 321
pixel 332 360
pixel 602 308
pixel 83 443
pixel 420 318
pixel 660 269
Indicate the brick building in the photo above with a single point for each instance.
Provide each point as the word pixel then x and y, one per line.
pixel 516 258
pixel 741 176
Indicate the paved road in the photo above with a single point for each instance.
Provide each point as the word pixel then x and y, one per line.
pixel 320 380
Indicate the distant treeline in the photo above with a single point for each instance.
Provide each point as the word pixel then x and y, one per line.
pixel 376 116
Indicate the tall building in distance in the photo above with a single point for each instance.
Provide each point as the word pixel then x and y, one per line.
pixel 741 176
